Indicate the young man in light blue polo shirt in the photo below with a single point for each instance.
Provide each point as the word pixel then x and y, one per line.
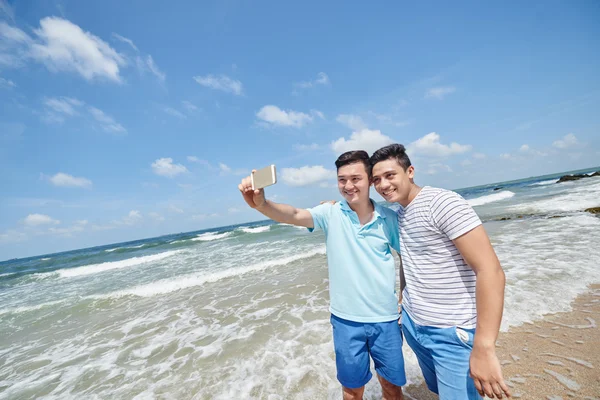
pixel 360 236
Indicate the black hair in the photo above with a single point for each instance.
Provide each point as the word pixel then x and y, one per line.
pixel 394 151
pixel 355 156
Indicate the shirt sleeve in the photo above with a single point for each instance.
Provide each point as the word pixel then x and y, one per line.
pixel 320 215
pixel 453 215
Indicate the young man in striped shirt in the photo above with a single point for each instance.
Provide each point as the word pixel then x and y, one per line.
pixel 454 294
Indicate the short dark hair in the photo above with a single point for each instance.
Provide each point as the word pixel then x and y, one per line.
pixel 395 151
pixel 355 156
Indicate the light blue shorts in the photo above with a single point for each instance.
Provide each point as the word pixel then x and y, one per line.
pixel 354 342
pixel 443 355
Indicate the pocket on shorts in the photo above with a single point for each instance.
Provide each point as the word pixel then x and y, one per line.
pixel 463 337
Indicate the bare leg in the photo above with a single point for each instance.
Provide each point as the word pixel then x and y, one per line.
pixel 389 390
pixel 353 394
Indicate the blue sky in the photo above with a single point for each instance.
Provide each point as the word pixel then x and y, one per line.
pixel 126 120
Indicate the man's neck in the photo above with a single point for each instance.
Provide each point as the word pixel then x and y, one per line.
pixel 414 191
pixel 362 209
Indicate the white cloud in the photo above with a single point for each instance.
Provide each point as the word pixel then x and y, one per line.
pixel 133 218
pixel 233 210
pixel 528 150
pixel 174 209
pixel 479 156
pixel 65 180
pixel 125 40
pixel 221 82
pixel 321 79
pixel 6 83
pixel 78 226
pixel 275 116
pixel 466 163
pixel 175 113
pixel 225 169
pixel 165 167
pixel 307 147
pixel 306 175
pixel 366 139
pixel 567 141
pixel 156 216
pixel 506 156
pixel 107 122
pixel 190 107
pixel 353 122
pixel 152 67
pixel 63 105
pixel 39 219
pixel 439 92
pixel 62 46
pixel 437 167
pixel 429 145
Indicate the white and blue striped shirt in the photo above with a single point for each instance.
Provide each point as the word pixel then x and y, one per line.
pixel 440 286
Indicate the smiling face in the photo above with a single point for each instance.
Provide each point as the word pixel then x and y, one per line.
pixel 392 182
pixel 353 183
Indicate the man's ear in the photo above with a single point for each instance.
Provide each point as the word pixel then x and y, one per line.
pixel 410 171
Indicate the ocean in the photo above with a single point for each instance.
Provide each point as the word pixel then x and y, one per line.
pixel 241 312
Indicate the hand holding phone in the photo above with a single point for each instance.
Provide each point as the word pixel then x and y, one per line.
pixel 264 177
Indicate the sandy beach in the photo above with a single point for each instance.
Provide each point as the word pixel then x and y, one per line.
pixel 555 358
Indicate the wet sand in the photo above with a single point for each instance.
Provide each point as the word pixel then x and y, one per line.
pixel 555 358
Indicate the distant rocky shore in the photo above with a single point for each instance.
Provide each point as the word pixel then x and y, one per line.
pixel 576 177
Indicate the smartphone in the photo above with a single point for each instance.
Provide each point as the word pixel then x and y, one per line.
pixel 264 177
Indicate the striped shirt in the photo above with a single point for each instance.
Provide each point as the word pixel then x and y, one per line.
pixel 440 286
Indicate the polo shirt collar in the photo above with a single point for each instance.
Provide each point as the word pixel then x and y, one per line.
pixel 377 212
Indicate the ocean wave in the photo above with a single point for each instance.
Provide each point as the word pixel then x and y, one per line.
pixel 110 265
pixel 210 236
pixel 572 198
pixel 292 226
pixel 22 309
pixel 544 183
pixel 256 229
pixel 186 281
pixel 125 248
pixel 490 198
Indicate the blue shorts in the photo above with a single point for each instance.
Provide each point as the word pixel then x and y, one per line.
pixel 355 341
pixel 443 355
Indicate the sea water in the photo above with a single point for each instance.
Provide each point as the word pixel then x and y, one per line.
pixel 241 312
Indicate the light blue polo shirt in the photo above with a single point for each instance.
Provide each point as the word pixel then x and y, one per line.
pixel 362 270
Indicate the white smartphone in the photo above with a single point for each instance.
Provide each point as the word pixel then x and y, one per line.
pixel 264 177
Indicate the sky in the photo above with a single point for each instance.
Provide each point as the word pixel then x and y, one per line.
pixel 128 120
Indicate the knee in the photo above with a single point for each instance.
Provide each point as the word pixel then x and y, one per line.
pixel 353 394
pixel 390 391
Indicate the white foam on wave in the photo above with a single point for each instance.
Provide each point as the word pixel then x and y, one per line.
pixel 22 309
pixel 490 198
pixel 544 183
pixel 210 236
pixel 111 265
pixel 543 257
pixel 257 229
pixel 123 248
pixel 574 196
pixel 183 282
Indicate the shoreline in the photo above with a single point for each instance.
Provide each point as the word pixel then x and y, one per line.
pixel 556 357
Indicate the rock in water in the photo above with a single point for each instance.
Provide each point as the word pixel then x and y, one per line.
pixel 593 210
pixel 576 177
